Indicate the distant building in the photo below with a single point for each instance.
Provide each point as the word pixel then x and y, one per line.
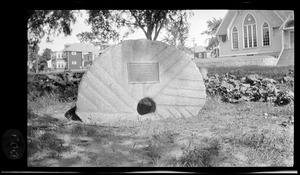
pixel 79 55
pixel 75 56
pixel 200 52
pixel 49 64
pixel 57 61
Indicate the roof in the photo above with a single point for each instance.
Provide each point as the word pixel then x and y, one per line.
pixel 222 29
pixel 199 49
pixel 289 22
pixel 275 17
pixel 80 47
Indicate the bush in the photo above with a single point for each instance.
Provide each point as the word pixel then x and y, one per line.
pixel 252 87
pixel 65 85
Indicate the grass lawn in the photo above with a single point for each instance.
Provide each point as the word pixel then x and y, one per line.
pixel 247 134
pixel 223 134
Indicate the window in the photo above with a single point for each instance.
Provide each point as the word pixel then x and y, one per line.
pixel 250 39
pixel 235 39
pixel 73 53
pixel 73 62
pixel 266 34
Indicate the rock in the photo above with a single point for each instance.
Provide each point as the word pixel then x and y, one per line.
pixel 71 115
pixel 115 87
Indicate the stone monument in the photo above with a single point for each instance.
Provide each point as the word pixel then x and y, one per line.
pixel 139 80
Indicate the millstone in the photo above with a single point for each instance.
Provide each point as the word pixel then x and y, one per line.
pixel 140 80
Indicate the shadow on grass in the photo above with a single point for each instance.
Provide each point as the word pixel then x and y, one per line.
pixel 265 146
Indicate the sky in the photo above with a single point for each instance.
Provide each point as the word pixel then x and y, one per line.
pixel 197 26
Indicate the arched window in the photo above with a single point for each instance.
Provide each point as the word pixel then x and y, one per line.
pixel 266 34
pixel 235 39
pixel 250 39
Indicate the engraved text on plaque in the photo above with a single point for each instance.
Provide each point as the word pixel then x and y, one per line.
pixel 143 72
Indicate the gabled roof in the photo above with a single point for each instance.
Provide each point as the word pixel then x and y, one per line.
pixel 287 22
pixel 222 29
pixel 80 47
pixel 275 17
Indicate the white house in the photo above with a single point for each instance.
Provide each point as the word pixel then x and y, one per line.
pixel 57 61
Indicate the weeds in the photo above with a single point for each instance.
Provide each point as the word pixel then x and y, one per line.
pixel 265 145
pixel 46 141
pixel 86 130
pixel 265 140
pixel 77 130
pixel 40 135
pixel 198 156
pixel 35 104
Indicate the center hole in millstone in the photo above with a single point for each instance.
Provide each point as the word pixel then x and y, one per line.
pixel 145 106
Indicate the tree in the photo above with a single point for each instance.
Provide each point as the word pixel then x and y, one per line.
pixel 42 65
pixel 50 22
pixel 177 31
pixel 213 42
pixel 90 37
pixel 46 55
pixel 32 53
pixel 107 24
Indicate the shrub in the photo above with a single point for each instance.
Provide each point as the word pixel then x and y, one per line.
pixel 65 85
pixel 250 88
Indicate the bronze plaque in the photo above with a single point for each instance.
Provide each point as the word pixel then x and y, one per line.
pixel 139 72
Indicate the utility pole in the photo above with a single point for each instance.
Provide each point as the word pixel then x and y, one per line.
pixel 194 46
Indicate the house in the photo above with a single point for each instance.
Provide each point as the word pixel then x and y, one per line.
pixel 75 56
pixel 257 32
pixel 79 55
pixel 200 52
pixel 57 61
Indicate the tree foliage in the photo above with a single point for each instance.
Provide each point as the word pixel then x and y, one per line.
pixel 46 55
pixel 213 42
pixel 107 24
pixel 42 65
pixel 32 53
pixel 48 22
pixel 90 37
pixel 178 30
